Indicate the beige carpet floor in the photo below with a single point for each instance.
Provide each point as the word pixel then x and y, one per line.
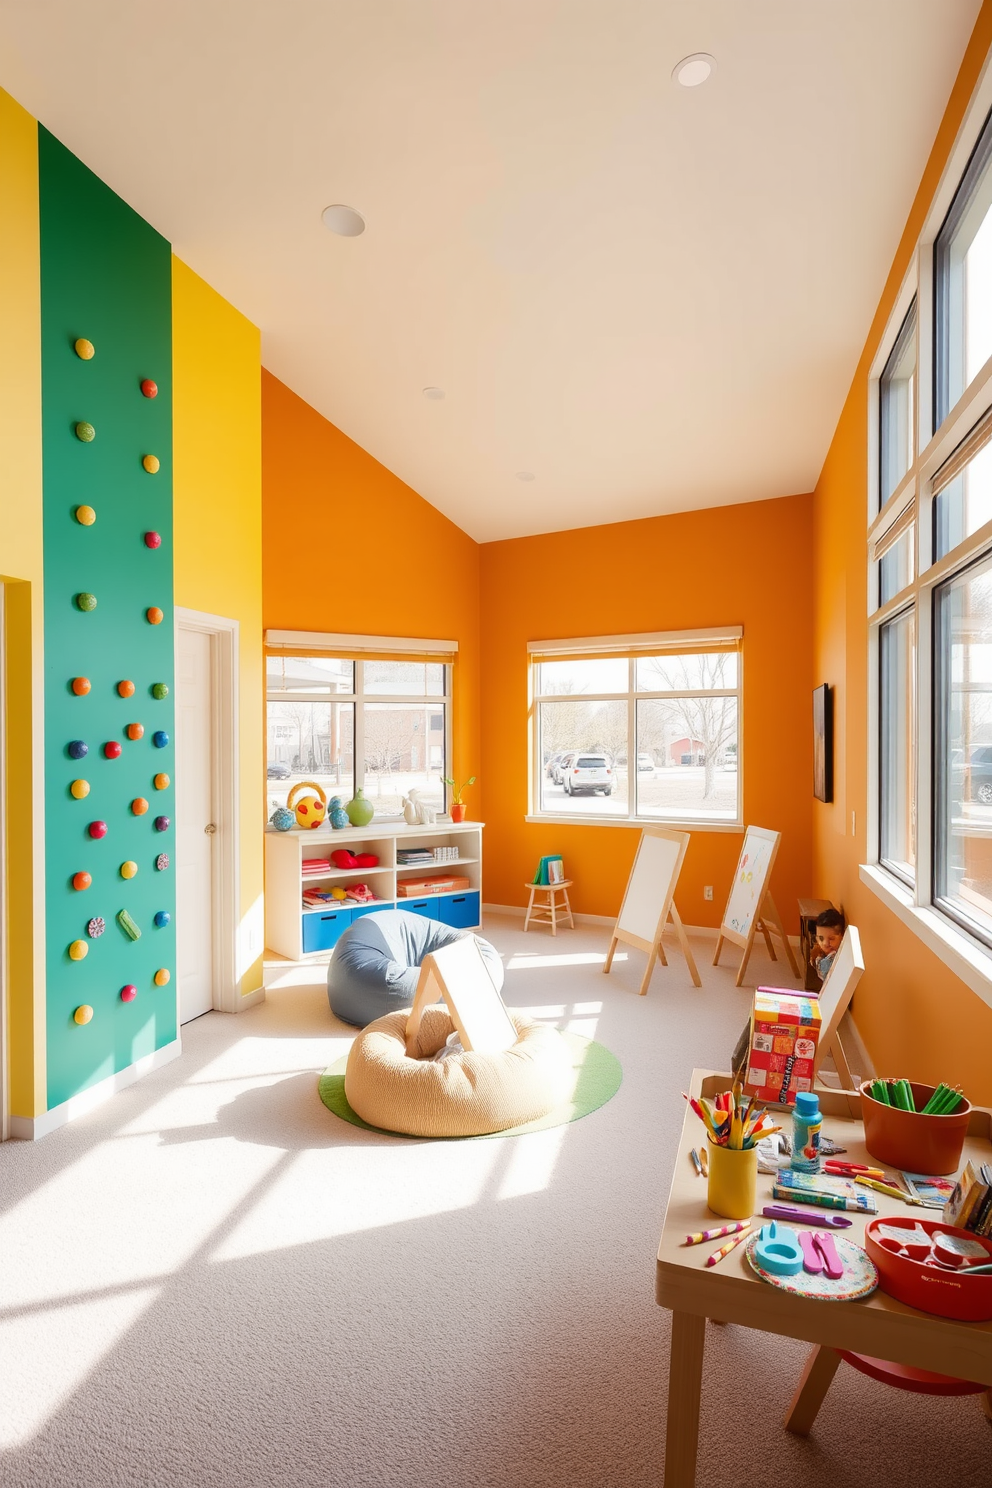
pixel 212 1282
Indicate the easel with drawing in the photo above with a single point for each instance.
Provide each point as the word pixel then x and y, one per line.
pixel 750 907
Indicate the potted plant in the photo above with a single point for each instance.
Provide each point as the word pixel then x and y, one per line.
pixel 457 806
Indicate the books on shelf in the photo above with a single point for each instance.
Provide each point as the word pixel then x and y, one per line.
pixel 316 865
pixel 421 857
pixel 543 874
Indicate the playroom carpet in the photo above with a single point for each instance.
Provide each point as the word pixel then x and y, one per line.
pixel 211 1283
pixel 597 1077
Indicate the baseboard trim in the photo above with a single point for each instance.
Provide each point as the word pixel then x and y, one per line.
pixel 249 999
pixel 32 1128
pixel 517 911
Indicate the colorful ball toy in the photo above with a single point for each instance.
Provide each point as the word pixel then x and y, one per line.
pixel 282 819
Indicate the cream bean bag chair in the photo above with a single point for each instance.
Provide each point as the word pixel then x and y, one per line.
pixel 462 1095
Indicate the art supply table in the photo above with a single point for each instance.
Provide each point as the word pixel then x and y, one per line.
pixel 730 1292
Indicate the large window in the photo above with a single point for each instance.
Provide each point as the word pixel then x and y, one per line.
pixel 963 282
pixel 897 409
pixel 651 735
pixel 897 755
pixel 345 723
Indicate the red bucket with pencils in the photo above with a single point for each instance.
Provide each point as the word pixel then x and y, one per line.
pixel 733 1129
pixel 913 1126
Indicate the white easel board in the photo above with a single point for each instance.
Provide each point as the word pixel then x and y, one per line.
pixel 649 900
pixel 458 974
pixel 750 906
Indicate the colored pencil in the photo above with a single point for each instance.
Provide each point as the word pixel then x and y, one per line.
pixel 704 1159
pixel 694 1156
pixel 886 1188
pixel 728 1229
pixel 724 1250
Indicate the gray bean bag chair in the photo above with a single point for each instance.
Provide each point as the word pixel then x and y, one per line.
pixel 375 965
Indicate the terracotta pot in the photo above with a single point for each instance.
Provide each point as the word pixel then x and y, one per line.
pixel 910 1140
pixel 458 810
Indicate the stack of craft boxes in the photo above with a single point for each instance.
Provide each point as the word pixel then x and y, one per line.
pixel 785 1028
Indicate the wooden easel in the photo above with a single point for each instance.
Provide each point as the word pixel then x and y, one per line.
pixel 750 906
pixel 834 999
pixel 649 901
pixel 457 974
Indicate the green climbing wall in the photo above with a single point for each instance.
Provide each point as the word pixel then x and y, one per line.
pixel 105 277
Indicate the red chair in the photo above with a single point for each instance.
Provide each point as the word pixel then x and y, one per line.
pixel 823 1363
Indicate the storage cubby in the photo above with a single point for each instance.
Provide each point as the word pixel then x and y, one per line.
pixel 297 932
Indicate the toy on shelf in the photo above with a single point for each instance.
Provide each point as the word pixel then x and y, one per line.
pixel 129 993
pixel 85 515
pixel 83 1014
pixel 80 686
pixel 151 463
pixel 153 540
pixel 310 812
pixel 76 749
pixel 128 925
pixel 125 689
pixel 337 815
pixel 85 432
pixel 415 811
pixel 96 927
pixel 79 789
pixel 84 349
pixel 283 819
pixel 80 881
pixel 86 601
pixel 149 389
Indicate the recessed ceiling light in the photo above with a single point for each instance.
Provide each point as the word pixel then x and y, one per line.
pixel 435 394
pixel 344 221
pixel 525 475
pixel 693 70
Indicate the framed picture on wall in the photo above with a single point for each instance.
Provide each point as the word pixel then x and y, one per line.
pixel 823 743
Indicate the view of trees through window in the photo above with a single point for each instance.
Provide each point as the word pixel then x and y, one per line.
pixel 380 725
pixel 648 736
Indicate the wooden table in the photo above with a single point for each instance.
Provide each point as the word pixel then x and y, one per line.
pixel 730 1292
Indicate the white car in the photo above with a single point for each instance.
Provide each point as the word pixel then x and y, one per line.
pixel 585 774
pixel 560 764
pixel 645 762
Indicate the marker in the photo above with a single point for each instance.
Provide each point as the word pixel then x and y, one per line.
pixel 859 1204
pixel 887 1188
pixel 717 1234
pixel 718 1255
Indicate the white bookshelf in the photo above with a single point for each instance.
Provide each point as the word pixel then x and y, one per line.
pixel 286 927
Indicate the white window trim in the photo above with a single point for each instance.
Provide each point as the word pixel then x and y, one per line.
pixel 965 955
pixel 726 637
pixel 355 645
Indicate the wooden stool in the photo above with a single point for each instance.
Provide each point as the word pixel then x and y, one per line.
pixel 547 913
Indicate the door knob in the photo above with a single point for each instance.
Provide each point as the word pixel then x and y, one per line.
pixel 210 829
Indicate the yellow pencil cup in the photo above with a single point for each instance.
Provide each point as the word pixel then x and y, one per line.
pixel 732 1191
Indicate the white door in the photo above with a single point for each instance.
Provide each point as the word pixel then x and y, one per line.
pixel 194 822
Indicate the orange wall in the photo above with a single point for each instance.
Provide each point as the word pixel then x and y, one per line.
pixel 744 565
pixel 347 546
pixel 916 1017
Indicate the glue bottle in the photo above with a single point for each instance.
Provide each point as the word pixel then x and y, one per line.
pixel 806 1123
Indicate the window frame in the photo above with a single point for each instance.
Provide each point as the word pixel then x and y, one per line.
pixel 633 649
pixel 359 697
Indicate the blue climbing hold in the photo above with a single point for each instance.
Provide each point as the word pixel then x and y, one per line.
pixel 77 749
pixel 162 918
pixel 160 738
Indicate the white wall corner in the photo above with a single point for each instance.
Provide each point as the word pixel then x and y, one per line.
pixel 32 1128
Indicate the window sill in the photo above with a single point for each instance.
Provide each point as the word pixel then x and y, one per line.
pixel 958 951
pixel 636 821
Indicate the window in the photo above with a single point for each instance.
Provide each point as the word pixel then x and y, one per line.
pixel 897 409
pixel 651 735
pixel 897 756
pixel 963 282
pixel 347 723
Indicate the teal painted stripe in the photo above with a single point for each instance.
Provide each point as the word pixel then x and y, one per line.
pixel 106 276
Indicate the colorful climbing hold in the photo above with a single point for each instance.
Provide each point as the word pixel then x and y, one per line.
pixel 86 601
pixel 160 738
pixel 129 993
pixel 161 782
pixel 81 881
pixel 84 349
pixel 112 749
pixel 154 615
pixel 162 861
pixel 160 690
pixel 125 688
pixel 149 388
pixel 135 730
pixel 128 869
pixel 79 789
pixel 85 516
pixel 162 977
pixel 139 806
pixel 76 749
pixel 162 918
pixel 80 686
pixel 85 432
pixel 153 539
pixel 151 463
pixel 83 1014
pixel 96 926
pixel 97 829
pixel 162 824
pixel 78 950
pixel 127 925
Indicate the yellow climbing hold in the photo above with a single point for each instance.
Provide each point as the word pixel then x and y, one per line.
pixel 84 349
pixel 85 516
pixel 83 1014
pixel 79 950
pixel 151 463
pixel 162 977
pixel 79 789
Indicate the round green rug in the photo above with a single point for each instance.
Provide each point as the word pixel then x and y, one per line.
pixel 597 1080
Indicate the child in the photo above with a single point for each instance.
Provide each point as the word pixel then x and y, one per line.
pixel 830 929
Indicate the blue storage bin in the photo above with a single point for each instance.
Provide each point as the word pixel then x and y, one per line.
pixel 460 910
pixel 427 907
pixel 320 931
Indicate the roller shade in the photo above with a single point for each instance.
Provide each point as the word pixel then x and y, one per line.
pixel 359 647
pixel 655 643
pixel 966 451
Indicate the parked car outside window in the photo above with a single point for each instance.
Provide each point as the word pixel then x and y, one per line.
pixel 587 774
pixel 278 770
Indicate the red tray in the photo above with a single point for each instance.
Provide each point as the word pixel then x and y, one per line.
pixel 922 1284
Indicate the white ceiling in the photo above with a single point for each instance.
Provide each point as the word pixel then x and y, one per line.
pixel 653 298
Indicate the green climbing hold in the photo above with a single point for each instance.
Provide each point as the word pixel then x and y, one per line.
pixel 85 432
pixel 128 926
pixel 86 601
pixel 160 690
